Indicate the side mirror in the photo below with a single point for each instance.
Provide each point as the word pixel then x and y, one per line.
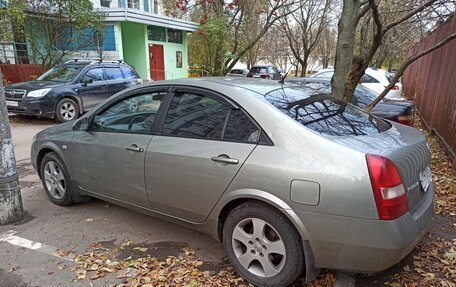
pixel 81 125
pixel 86 81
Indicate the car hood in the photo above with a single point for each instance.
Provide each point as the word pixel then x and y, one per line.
pixel 57 132
pixel 34 85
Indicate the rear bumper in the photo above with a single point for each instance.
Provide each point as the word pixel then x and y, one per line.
pixel 366 245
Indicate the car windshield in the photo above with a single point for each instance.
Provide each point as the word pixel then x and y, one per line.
pixel 64 73
pixel 325 114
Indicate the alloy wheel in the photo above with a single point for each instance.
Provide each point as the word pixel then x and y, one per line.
pixel 258 247
pixel 55 180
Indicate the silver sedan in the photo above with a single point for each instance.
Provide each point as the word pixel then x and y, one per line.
pixel 289 180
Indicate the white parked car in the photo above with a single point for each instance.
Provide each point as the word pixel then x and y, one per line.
pixel 374 79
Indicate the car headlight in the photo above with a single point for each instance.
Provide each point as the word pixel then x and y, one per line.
pixel 38 93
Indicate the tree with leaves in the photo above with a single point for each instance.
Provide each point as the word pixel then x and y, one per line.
pixel 239 19
pixel 51 30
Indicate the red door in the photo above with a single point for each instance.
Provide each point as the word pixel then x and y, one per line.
pixel 157 62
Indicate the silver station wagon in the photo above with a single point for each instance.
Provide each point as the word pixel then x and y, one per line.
pixel 288 179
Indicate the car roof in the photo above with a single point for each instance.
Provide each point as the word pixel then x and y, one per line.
pixel 259 86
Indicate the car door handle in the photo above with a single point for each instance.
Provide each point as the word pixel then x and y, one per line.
pixel 134 148
pixel 223 158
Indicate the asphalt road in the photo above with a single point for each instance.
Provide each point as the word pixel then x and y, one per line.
pixel 27 247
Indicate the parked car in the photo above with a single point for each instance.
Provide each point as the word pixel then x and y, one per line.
pixel 66 91
pixel 374 79
pixel 395 110
pixel 265 72
pixel 238 73
pixel 290 180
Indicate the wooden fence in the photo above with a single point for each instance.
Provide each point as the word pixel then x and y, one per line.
pixel 20 73
pixel 431 83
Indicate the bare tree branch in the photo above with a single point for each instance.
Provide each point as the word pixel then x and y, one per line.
pixel 404 66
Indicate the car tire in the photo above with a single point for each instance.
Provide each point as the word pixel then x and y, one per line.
pixel 57 182
pixel 66 110
pixel 262 245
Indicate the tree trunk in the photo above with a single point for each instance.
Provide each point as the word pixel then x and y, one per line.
pixel 304 67
pixel 10 196
pixel 345 46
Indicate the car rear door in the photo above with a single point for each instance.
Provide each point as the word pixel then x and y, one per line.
pixel 108 159
pixel 115 80
pixel 203 142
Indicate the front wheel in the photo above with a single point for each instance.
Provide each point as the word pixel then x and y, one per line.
pixel 57 182
pixel 262 245
pixel 66 110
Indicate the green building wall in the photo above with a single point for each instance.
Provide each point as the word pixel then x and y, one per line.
pixel 134 44
pixel 134 50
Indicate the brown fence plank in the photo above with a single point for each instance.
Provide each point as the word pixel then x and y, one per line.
pixel 20 73
pixel 431 82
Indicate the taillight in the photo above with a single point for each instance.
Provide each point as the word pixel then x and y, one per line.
pixel 389 192
pixel 264 75
pixel 406 120
pixel 394 88
pixel 249 75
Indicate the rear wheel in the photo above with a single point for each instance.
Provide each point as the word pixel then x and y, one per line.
pixel 57 182
pixel 66 110
pixel 262 245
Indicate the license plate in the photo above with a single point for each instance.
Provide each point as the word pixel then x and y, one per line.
pixel 426 178
pixel 12 103
pixel 256 76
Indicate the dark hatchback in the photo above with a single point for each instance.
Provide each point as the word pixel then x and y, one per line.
pixel 66 91
pixel 395 110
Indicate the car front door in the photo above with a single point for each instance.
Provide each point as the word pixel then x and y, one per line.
pixel 108 158
pixel 203 143
pixel 92 88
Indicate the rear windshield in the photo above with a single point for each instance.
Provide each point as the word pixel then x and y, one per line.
pixel 240 72
pixel 259 70
pixel 325 114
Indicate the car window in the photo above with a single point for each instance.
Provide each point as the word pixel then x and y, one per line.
pixel 325 114
pixel 259 70
pixel 368 79
pixel 134 114
pixel 241 128
pixel 128 73
pixel 197 116
pixel 94 74
pixel 113 73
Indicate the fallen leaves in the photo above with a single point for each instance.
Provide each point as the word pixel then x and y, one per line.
pixel 184 271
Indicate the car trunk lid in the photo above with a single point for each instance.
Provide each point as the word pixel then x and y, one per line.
pixel 407 148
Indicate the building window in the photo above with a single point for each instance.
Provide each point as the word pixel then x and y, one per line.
pixel 155 6
pixel 175 36
pixel 156 33
pixel 134 4
pixel 105 3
